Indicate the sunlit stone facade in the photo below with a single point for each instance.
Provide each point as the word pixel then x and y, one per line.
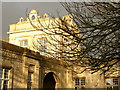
pixel 28 69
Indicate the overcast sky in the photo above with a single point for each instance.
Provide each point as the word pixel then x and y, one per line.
pixel 12 11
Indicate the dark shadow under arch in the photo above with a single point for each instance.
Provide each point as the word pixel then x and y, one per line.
pixel 49 82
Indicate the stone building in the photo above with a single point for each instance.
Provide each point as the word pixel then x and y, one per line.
pixel 24 67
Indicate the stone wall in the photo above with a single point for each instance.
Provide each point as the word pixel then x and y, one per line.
pixel 20 61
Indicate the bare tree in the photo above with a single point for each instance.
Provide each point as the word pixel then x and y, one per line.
pixel 93 41
pixel 99 25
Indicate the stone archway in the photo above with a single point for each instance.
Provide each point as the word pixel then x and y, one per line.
pixel 49 81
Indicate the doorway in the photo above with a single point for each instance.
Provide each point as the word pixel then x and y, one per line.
pixel 49 82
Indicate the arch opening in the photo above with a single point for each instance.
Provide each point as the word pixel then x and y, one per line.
pixel 49 81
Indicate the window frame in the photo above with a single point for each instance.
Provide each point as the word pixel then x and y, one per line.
pixel 112 85
pixel 42 47
pixel 78 82
pixel 23 42
pixel 29 80
pixel 3 78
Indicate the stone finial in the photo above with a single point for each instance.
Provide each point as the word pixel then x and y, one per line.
pixel 68 17
pixel 21 19
pixel 45 15
pixel 38 17
pixel 33 12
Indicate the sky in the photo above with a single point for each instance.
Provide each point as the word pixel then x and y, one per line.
pixel 12 11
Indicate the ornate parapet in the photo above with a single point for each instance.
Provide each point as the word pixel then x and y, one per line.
pixel 39 22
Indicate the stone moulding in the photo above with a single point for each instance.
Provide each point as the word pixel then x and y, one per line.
pixel 39 22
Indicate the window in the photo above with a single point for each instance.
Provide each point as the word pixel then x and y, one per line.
pixel 33 17
pixel 24 43
pixel 112 83
pixel 79 83
pixel 4 78
pixel 115 81
pixel 42 45
pixel 29 83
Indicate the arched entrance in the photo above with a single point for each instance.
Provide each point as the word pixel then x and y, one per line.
pixel 49 81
